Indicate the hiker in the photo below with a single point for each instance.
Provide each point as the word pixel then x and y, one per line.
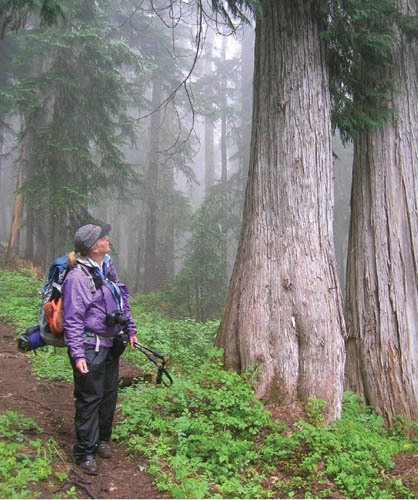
pixel 97 319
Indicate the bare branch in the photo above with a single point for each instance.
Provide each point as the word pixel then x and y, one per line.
pixel 195 59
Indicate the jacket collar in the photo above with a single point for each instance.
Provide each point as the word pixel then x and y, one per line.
pixel 86 261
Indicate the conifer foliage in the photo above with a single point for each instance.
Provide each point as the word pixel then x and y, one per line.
pixel 74 96
pixel 360 34
pixel 15 13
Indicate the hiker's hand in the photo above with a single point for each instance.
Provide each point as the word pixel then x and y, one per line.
pixel 81 366
pixel 132 340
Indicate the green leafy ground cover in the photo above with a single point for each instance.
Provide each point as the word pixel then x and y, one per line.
pixel 19 298
pixel 208 437
pixel 24 458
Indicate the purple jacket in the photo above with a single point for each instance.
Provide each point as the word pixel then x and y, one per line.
pixel 87 310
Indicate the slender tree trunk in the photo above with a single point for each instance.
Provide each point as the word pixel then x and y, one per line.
pixel 150 271
pixel 224 139
pixel 284 309
pixel 29 248
pixel 224 101
pixel 2 183
pixel 382 279
pixel 41 239
pixel 17 212
pixel 166 253
pixel 209 153
pixel 124 241
pixel 247 64
pixel 116 230
pixel 138 262
pixel 209 129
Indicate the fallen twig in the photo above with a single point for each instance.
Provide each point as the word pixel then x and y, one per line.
pixel 78 484
pixel 77 481
pixel 79 477
pixel 33 401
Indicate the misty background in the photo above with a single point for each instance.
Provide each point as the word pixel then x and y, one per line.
pixel 176 211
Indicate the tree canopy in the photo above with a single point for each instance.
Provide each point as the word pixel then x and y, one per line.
pixel 14 14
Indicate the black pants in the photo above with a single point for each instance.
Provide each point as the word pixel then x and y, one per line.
pixel 96 394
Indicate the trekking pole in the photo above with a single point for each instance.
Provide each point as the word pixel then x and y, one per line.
pixel 162 371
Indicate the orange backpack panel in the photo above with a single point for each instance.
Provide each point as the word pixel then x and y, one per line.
pixel 54 315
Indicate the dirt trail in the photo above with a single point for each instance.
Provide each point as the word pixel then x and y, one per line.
pixel 51 405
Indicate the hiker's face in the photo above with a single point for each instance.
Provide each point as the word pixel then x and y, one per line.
pixel 103 245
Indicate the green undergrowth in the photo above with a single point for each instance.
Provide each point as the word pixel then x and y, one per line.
pixel 355 453
pixel 200 436
pixel 187 342
pixel 19 298
pixel 208 436
pixel 24 458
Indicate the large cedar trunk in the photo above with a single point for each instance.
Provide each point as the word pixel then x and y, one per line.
pixel 284 308
pixel 382 299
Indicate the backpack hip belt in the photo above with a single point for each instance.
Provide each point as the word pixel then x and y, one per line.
pixel 99 338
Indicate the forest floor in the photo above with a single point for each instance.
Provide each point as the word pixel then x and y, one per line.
pixel 51 405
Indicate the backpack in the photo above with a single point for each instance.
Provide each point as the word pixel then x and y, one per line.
pixel 50 330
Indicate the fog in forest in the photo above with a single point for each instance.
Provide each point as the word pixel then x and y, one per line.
pixel 175 207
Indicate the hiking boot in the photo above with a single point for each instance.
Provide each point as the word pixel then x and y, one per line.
pixel 88 465
pixel 104 450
